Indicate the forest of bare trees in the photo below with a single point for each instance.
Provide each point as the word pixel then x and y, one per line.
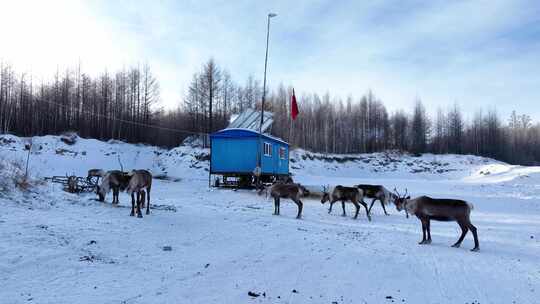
pixel 126 105
pixel 108 106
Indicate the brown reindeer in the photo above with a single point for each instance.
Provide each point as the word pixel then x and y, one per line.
pixel 140 180
pixel 293 191
pixel 343 194
pixel 115 180
pixel 377 193
pixel 426 209
pixel 266 188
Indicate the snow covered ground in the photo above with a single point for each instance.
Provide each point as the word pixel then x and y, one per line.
pixel 202 245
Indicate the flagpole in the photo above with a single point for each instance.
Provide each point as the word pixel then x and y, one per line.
pixel 265 67
pixel 259 157
pixel 291 114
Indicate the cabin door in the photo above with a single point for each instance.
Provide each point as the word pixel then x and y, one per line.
pixel 275 160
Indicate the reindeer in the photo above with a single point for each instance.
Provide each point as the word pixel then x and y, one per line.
pixel 72 184
pixel 281 190
pixel 115 180
pixel 140 180
pixel 377 192
pixel 266 188
pixel 426 209
pixel 343 194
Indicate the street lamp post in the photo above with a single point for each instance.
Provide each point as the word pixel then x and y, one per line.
pixel 258 170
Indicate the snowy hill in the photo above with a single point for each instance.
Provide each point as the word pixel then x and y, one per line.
pixel 207 245
pixel 388 165
pixel 51 156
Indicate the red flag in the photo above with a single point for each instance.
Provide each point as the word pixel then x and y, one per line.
pixel 294 106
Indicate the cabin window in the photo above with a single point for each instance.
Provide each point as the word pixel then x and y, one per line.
pixel 282 153
pixel 267 149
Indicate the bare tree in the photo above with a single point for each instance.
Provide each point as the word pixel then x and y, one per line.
pixel 125 105
pixel 419 129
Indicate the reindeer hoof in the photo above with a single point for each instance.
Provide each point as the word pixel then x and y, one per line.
pixel 456 245
pixel 132 214
pixel 422 242
pixel 147 212
pixel 428 242
pixel 475 249
pixel 139 215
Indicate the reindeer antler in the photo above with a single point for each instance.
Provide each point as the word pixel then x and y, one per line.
pixel 395 190
pixel 326 188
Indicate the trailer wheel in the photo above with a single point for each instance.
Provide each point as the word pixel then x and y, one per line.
pixel 243 181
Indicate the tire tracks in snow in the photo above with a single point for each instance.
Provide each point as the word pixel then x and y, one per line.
pixel 467 278
pixel 300 274
pixel 442 291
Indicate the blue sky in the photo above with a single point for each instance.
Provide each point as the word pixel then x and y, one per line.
pixel 479 54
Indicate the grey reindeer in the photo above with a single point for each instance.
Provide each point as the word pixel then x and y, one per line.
pixel 344 194
pixel 140 180
pixel 426 209
pixel 294 192
pixel 115 180
pixel 377 193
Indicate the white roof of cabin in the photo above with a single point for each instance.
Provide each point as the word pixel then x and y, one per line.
pixel 251 119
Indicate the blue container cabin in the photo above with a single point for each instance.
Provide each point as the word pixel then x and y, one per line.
pixel 233 156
